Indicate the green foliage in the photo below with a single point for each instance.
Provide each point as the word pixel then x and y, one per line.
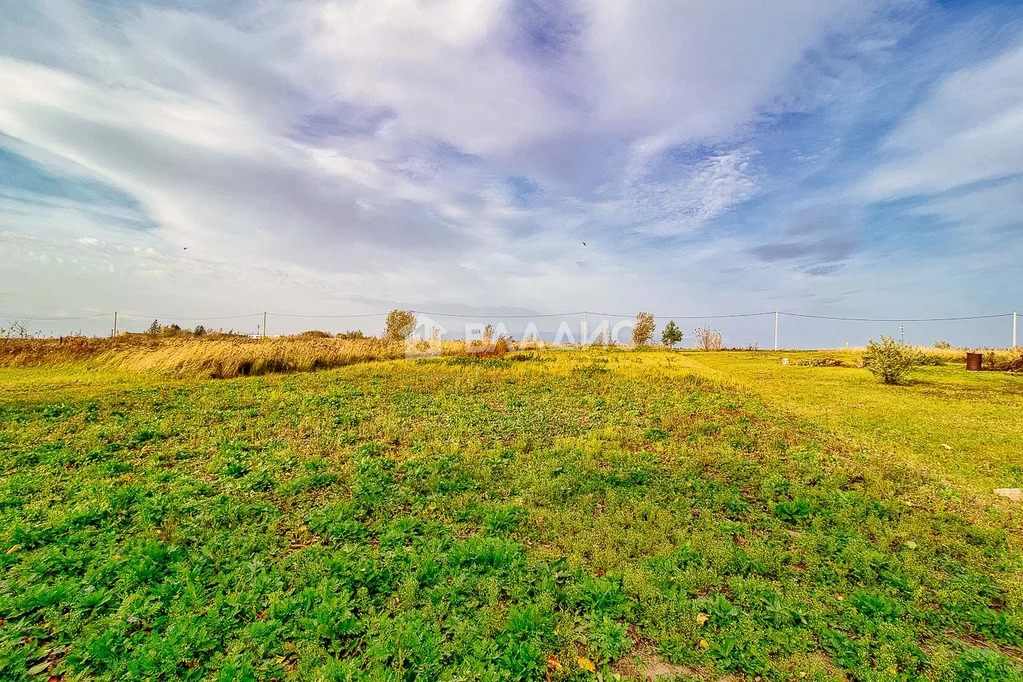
pixel 484 520
pixel 400 325
pixel 794 511
pixel 609 639
pixel 643 329
pixel 671 334
pixel 984 664
pixel 820 361
pixel 889 360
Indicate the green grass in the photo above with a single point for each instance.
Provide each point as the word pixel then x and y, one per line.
pixel 497 520
pixel 965 428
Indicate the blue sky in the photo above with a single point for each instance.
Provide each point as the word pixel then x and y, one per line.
pixel 846 158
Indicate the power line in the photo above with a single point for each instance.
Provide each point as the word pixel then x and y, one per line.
pixel 423 312
pixel 56 319
pixel 899 319
pixel 178 317
pixel 326 317
pixel 693 317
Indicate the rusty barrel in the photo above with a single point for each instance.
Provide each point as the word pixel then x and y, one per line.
pixel 973 362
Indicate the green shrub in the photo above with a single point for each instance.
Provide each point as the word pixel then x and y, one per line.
pixel 889 360
pixel 984 664
pixel 671 334
pixel 820 361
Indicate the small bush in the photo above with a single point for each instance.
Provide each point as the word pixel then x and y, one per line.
pixel 708 339
pixel 889 360
pixel 1014 363
pixel 942 344
pixel 821 361
pixel 490 347
pixel 605 338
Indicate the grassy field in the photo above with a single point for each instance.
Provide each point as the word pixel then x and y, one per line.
pixel 965 428
pixel 569 515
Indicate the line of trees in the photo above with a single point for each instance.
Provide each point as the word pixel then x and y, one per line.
pixel 671 335
pixel 401 324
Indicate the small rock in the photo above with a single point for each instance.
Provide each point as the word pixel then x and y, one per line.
pixel 1014 494
pixel 784 361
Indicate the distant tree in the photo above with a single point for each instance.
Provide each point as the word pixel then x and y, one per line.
pixel 16 330
pixel 708 339
pixel 942 344
pixel 155 327
pixel 199 330
pixel 643 330
pixel 671 334
pixel 400 325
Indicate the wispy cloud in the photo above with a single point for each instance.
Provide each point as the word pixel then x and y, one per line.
pixel 463 151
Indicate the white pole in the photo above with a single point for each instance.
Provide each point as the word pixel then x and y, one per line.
pixel 264 325
pixel 585 331
pixel 115 324
pixel 776 330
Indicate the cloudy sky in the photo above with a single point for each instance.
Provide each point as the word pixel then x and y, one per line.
pixel 849 158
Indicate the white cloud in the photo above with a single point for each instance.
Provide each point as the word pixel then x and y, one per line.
pixel 710 190
pixel 364 146
pixel 987 216
pixel 969 129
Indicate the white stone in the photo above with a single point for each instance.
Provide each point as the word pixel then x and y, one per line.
pixel 1014 494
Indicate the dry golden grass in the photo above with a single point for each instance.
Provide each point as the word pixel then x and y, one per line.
pixel 219 356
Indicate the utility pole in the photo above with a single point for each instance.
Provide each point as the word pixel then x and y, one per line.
pixel 264 324
pixel 902 335
pixel 776 330
pixel 1014 315
pixel 115 324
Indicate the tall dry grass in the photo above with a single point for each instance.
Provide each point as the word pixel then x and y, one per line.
pixel 218 356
